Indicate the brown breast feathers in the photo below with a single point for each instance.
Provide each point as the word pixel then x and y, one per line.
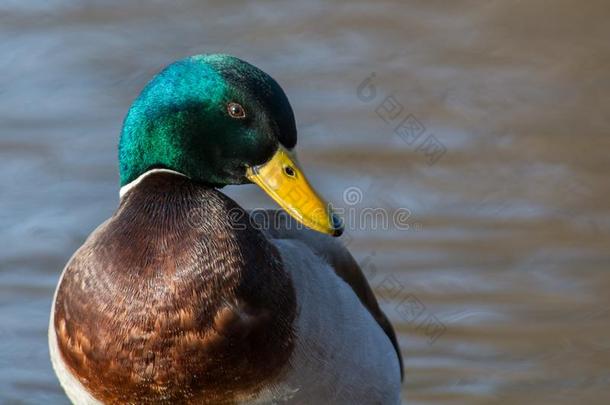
pixel 170 302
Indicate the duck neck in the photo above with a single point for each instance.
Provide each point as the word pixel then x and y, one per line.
pixel 130 186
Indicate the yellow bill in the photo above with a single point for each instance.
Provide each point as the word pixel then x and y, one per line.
pixel 284 181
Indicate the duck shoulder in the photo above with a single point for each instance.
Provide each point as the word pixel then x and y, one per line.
pixel 278 224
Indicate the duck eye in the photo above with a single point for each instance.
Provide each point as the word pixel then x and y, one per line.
pixel 235 110
pixel 289 171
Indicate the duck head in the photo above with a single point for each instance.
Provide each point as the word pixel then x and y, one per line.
pixel 219 121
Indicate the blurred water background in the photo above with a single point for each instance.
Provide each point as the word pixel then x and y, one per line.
pixel 484 124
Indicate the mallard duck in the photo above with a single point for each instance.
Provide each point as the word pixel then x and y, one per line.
pixel 182 296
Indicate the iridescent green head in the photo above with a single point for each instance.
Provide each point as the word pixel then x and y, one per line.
pixel 219 120
pixel 208 117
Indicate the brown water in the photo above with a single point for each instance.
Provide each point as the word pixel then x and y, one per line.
pixel 500 287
